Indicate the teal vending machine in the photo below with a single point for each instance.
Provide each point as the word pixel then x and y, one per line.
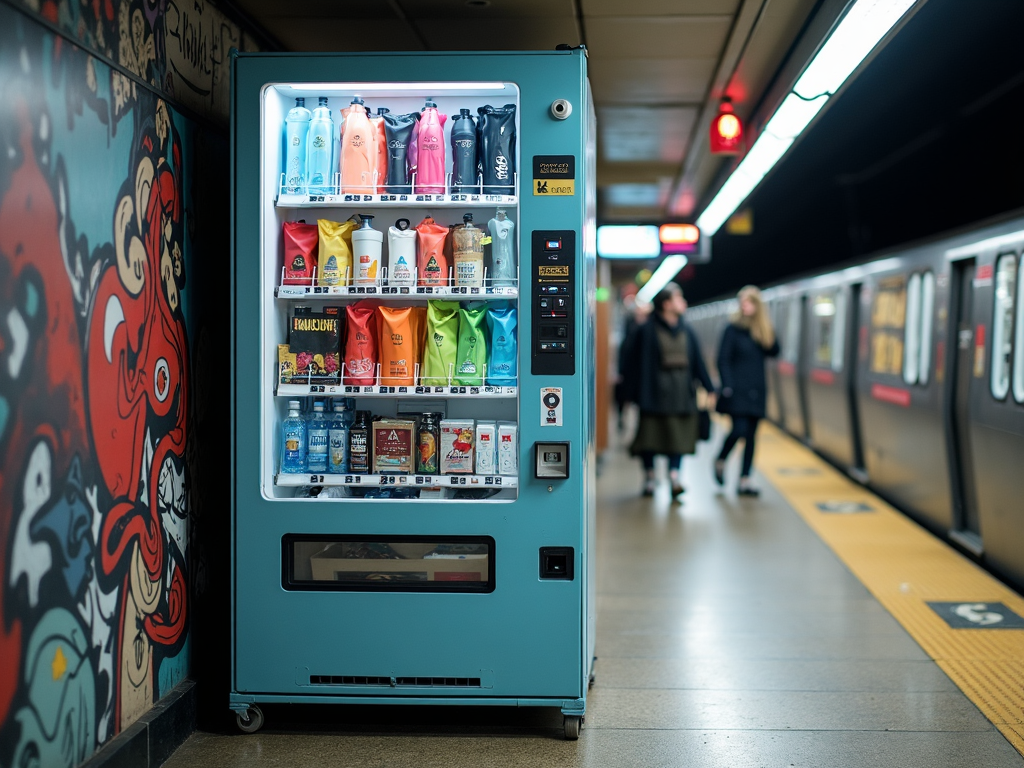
pixel 413 287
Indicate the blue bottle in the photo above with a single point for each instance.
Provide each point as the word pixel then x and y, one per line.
pixel 337 437
pixel 293 443
pixel 320 146
pixel 317 440
pixel 296 128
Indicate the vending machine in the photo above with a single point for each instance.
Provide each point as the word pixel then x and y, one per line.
pixel 413 288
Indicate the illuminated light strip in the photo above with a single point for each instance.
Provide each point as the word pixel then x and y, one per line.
pixel 662 276
pixel 861 29
pixel 983 245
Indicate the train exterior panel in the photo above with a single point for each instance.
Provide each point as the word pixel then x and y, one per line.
pixel 907 371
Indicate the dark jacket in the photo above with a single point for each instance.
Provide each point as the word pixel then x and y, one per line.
pixel 741 369
pixel 653 387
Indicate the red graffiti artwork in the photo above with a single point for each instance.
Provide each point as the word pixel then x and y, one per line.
pixel 45 362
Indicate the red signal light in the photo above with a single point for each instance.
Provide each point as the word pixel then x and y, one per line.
pixel 726 131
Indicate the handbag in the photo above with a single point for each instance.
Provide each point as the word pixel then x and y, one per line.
pixel 703 424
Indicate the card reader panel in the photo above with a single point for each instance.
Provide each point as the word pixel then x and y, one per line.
pixel 553 301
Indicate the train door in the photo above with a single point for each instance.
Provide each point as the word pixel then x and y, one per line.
pixel 966 530
pixel 851 354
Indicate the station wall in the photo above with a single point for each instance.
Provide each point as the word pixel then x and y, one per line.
pixel 113 246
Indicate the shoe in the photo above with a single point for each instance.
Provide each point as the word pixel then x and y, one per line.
pixel 678 490
pixel 648 488
pixel 746 489
pixel 720 471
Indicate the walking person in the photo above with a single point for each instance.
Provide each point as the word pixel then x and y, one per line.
pixel 665 364
pixel 746 342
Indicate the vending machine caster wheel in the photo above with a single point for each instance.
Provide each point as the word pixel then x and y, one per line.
pixel 251 720
pixel 573 724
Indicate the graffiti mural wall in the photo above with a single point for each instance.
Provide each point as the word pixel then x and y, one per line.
pixel 97 248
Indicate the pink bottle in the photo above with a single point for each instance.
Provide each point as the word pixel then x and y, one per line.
pixel 430 151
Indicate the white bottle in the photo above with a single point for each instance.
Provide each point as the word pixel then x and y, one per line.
pixel 503 254
pixel 366 247
pixel 401 254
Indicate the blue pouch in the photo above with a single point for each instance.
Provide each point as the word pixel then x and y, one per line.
pixel 502 349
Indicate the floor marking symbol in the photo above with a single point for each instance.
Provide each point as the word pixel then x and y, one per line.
pixel 977 615
pixel 844 507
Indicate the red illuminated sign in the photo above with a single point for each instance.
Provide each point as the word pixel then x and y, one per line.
pixel 726 132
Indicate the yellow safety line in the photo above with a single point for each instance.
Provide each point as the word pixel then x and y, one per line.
pixel 904 566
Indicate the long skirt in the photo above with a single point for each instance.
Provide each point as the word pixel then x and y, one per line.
pixel 665 434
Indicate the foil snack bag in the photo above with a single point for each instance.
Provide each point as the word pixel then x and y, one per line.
pixel 398 341
pixel 471 356
pixel 502 350
pixel 335 257
pixel 301 246
pixel 433 264
pixel 442 343
pixel 361 344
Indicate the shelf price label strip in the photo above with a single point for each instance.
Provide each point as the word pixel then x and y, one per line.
pixel 407 481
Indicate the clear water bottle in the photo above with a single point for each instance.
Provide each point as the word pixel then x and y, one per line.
pixel 320 146
pixel 293 444
pixel 296 129
pixel 317 440
pixel 337 436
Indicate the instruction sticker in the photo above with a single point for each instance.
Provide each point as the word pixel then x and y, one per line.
pixel 554 175
pixel 551 406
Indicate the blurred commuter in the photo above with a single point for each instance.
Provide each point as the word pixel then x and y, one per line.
pixel 664 366
pixel 636 315
pixel 746 342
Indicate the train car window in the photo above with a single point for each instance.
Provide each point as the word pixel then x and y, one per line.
pixel 927 325
pixel 1002 324
pixel 888 318
pixel 839 332
pixel 1018 340
pixel 791 348
pixel 912 337
pixel 824 307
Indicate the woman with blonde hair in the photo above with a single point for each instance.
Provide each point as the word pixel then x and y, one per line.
pixel 746 342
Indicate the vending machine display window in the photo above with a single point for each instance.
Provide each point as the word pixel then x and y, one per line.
pixel 390 300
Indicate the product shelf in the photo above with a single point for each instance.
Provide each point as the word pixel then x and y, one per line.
pixel 288 480
pixel 452 197
pixel 486 392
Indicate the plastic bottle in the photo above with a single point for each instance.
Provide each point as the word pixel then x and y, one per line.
pixel 337 437
pixel 366 247
pixel 431 151
pixel 320 146
pixel 317 440
pixel 428 440
pixel 497 149
pixel 503 249
pixel 380 133
pixel 401 254
pixel 463 150
pixel 358 151
pixel 468 253
pixel 296 129
pixel 359 444
pixel 399 130
pixel 293 440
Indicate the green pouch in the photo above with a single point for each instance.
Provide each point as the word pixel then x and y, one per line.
pixel 442 343
pixel 471 358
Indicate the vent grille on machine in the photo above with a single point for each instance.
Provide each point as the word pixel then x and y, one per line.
pixel 432 682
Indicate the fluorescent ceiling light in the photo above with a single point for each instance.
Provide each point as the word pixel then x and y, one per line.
pixel 628 242
pixel 662 276
pixel 850 43
pixel 860 30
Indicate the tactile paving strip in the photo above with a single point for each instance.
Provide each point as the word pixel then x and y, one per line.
pixel 905 567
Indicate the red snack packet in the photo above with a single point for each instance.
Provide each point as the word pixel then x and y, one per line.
pixel 301 252
pixel 361 345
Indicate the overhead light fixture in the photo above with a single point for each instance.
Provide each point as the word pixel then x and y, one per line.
pixel 678 234
pixel 662 276
pixel 860 30
pixel 628 242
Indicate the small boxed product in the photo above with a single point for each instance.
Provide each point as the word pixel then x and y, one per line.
pixel 508 448
pixel 313 352
pixel 393 441
pixel 486 448
pixel 457 446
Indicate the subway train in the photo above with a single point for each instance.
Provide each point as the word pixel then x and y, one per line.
pixel 901 370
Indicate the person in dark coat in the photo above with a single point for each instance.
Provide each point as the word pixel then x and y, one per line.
pixel 746 342
pixel 665 364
